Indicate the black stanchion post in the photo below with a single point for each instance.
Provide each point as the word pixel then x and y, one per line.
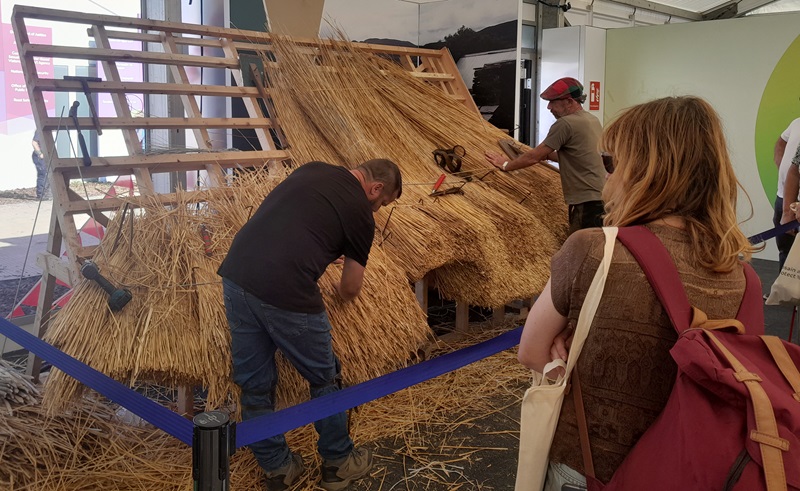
pixel 212 446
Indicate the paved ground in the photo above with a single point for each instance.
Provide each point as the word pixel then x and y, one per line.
pixel 23 235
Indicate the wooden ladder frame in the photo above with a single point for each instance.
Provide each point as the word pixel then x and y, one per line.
pixel 434 66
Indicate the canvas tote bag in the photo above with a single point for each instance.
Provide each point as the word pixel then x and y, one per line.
pixel 786 289
pixel 541 404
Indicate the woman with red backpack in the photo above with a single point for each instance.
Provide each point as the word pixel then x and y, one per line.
pixel 673 176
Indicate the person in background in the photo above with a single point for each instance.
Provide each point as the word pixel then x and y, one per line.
pixel 676 179
pixel 785 148
pixel 272 301
pixel 42 186
pixel 572 142
pixel 792 186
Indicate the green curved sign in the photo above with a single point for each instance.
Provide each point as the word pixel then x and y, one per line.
pixel 780 105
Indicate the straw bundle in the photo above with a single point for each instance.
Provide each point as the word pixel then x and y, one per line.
pixel 172 330
pixel 15 388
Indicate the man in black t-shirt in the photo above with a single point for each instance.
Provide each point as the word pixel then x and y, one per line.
pixel 319 213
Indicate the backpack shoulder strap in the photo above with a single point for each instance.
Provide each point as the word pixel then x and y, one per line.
pixel 661 272
pixel 663 276
pixel 751 310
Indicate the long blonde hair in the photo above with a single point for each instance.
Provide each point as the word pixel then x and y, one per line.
pixel 671 159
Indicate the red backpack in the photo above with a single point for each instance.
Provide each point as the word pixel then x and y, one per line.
pixel 732 421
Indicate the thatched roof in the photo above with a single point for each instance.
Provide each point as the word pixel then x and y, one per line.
pixel 485 247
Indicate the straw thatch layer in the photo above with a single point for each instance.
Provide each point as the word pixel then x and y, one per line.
pixel 350 106
pixel 485 246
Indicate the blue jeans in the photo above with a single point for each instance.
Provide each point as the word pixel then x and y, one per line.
pixel 41 175
pixel 257 331
pixel 560 474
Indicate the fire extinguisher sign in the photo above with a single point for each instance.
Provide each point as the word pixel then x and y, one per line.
pixel 594 96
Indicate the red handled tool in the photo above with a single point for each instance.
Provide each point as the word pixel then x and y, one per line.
pixel 438 183
pixel 206 235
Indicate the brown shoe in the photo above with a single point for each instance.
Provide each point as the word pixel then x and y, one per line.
pixel 282 478
pixel 338 474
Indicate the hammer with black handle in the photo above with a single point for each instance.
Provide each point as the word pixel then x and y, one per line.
pixel 73 113
pixel 117 297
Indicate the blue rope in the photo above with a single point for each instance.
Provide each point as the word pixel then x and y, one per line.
pixel 773 232
pixel 257 429
pixel 138 404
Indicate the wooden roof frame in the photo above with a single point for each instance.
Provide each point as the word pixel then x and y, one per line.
pixel 434 66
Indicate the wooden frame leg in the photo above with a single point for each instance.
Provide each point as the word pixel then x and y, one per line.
pixel 421 291
pixel 44 311
pixel 498 315
pixel 462 317
pixel 186 401
pixel 44 306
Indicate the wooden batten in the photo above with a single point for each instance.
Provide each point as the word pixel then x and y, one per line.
pixel 120 55
pixel 52 85
pixel 54 266
pixel 196 122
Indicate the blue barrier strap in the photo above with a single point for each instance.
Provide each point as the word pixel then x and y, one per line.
pixel 773 232
pixel 156 414
pixel 257 429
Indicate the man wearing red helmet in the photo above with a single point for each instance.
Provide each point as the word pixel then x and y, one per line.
pixel 572 142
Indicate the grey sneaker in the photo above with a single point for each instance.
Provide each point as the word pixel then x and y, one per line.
pixel 337 475
pixel 283 477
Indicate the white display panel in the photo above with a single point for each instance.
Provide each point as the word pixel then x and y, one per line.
pixel 729 63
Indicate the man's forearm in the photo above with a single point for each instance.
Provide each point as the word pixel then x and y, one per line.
pixel 529 158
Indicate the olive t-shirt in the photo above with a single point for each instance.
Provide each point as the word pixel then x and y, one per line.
pixel 575 138
pixel 318 213
pixel 625 368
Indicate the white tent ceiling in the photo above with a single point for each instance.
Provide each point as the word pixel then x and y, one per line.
pixel 630 13
pixel 695 10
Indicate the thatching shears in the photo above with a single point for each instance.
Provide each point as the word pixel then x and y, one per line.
pixel 449 158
